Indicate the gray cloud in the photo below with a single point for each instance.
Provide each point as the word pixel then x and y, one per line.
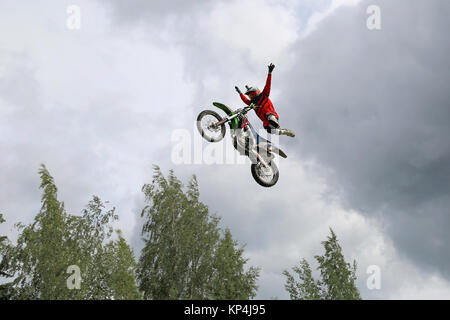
pixel 360 102
pixel 374 107
pixel 158 14
pixel 353 97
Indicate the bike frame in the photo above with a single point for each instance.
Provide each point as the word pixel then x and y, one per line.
pixel 232 115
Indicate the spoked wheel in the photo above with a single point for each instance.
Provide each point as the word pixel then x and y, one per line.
pixel 265 176
pixel 207 126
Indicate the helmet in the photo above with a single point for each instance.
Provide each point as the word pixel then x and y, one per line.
pixel 251 89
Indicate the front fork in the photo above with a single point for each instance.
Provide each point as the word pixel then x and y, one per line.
pixel 254 155
pixel 218 124
pixel 260 159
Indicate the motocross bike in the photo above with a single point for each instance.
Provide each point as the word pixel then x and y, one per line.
pixel 246 140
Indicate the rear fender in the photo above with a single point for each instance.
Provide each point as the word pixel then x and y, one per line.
pixel 271 148
pixel 279 152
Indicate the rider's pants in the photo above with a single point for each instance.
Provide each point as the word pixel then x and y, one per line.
pixel 274 126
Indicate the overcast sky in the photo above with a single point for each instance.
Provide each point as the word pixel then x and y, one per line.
pixel 370 108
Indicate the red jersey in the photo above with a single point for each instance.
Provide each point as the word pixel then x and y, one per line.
pixel 263 105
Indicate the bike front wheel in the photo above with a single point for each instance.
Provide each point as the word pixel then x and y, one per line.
pixel 207 126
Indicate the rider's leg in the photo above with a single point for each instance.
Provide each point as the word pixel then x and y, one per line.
pixel 243 140
pixel 274 127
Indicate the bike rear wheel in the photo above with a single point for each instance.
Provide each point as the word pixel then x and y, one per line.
pixel 265 176
pixel 207 126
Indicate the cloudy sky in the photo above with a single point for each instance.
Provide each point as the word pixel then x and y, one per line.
pixel 371 159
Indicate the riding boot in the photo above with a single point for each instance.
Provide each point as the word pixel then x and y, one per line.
pixel 287 132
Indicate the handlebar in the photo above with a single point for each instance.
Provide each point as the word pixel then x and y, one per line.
pixel 248 108
pixel 237 113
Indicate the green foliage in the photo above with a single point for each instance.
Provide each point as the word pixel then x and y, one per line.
pixel 337 276
pixel 5 289
pixel 308 288
pixel 122 266
pixel 230 281
pixel 2 238
pixel 185 255
pixel 56 240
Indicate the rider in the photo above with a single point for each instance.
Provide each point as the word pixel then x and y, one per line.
pixel 263 106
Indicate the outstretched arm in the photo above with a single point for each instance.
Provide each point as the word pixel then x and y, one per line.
pixel 269 80
pixel 243 97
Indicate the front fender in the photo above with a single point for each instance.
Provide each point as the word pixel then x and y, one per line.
pixel 224 108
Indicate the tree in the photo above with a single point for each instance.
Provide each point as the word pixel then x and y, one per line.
pixel 39 258
pixel 230 281
pixel 2 238
pixel 184 254
pixel 108 265
pixel 308 288
pixel 56 240
pixel 122 266
pixel 337 276
pixel 5 289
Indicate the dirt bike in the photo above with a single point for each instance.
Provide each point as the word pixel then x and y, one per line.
pixel 246 140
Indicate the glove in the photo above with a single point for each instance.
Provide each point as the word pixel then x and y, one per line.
pixel 271 67
pixel 237 89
